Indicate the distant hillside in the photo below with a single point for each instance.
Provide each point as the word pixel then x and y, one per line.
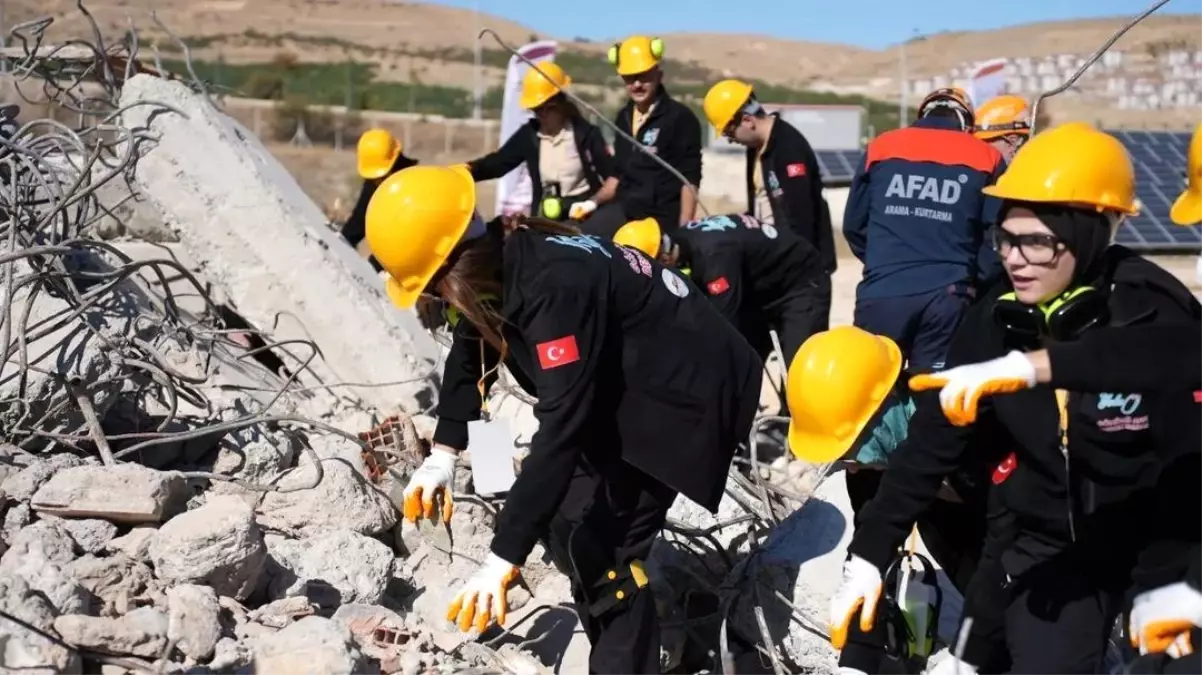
pixel 418 56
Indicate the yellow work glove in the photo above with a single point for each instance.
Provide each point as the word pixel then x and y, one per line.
pixel 432 479
pixel 859 590
pixel 961 388
pixel 1161 616
pixel 483 598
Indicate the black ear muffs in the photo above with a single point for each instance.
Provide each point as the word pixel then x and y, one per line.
pixel 1063 319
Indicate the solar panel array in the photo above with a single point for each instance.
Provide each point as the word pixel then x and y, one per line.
pixel 1159 158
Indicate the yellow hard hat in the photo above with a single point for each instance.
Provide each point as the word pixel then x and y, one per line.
pixel 537 89
pixel 414 220
pixel 724 100
pixel 1071 164
pixel 836 383
pixel 948 97
pixel 1002 116
pixel 636 54
pixel 645 235
pixel 378 151
pixel 1187 210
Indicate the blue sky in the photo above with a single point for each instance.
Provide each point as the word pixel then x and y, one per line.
pixel 866 23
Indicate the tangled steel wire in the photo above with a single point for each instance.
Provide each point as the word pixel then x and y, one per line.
pixel 79 334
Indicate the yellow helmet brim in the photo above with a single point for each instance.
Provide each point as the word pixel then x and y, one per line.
pixel 1187 210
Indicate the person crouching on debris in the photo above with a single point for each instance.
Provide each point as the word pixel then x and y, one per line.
pixel 380 155
pixel 846 404
pixel 758 276
pixel 571 170
pixel 643 392
pixel 1082 479
pixel 1005 123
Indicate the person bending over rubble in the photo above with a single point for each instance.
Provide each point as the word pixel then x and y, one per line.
pixel 571 170
pixel 1085 483
pixel 379 155
pixel 643 392
pixel 846 404
pixel 759 277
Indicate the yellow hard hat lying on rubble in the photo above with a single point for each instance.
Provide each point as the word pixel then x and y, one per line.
pixel 1187 210
pixel 414 220
pixel 836 383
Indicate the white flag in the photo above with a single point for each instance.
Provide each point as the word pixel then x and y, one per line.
pixel 514 191
pixel 987 81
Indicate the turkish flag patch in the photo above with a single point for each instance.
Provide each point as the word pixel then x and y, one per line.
pixel 718 286
pixel 796 170
pixel 558 353
pixel 1198 397
pixel 1004 469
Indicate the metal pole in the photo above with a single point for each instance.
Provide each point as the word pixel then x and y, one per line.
pixel 901 101
pixel 478 95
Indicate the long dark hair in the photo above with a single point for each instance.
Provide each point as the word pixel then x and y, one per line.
pixel 474 273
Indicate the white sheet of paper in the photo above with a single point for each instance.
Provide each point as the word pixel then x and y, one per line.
pixel 490 444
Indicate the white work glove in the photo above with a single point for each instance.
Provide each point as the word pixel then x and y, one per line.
pixel 948 664
pixel 961 388
pixel 483 598
pixel 582 210
pixel 860 589
pixel 1162 614
pixel 434 476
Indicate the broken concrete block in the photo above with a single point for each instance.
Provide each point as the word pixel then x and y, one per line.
pixel 16 517
pixel 90 535
pixel 332 568
pixel 267 243
pixel 230 655
pixel 381 634
pixel 23 650
pixel 251 457
pixel 20 485
pixel 218 544
pixel 311 645
pixel 135 543
pixel 124 493
pixel 348 501
pixel 116 581
pixel 280 613
pixel 193 620
pixel 12 461
pixel 38 554
pixel 142 632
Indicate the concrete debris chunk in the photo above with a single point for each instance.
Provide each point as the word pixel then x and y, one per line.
pixel 23 650
pixel 280 613
pixel 90 535
pixel 19 486
pixel 331 568
pixel 347 500
pixel 193 620
pixel 311 645
pixel 218 544
pixel 229 655
pixel 38 555
pixel 15 518
pixel 135 543
pixel 118 582
pixel 124 493
pixel 142 632
pixel 12 461
pixel 44 540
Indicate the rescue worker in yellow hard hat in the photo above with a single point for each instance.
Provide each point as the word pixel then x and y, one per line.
pixel 571 171
pixel 1078 481
pixel 1005 123
pixel 784 185
pixel 1149 357
pixel 848 403
pixel 379 155
pixel 644 392
pixel 759 277
pixel 661 126
pixel 1187 210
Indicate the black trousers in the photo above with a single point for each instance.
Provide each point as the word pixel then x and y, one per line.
pixel 953 533
pixel 609 517
pixel 799 314
pixel 606 220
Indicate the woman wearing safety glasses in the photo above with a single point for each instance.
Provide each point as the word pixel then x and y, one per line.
pixel 1082 482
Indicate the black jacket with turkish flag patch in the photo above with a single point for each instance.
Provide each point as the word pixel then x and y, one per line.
pixel 789 169
pixel 630 362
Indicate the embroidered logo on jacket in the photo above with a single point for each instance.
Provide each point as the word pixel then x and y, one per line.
pixel 796 170
pixel 718 286
pixel 583 242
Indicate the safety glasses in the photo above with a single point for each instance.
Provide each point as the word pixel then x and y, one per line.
pixel 1036 249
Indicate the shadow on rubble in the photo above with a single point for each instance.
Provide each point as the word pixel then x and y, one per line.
pixel 548 637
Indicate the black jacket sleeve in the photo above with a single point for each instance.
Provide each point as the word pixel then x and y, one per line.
pixel 720 275
pixel 803 192
pixel 568 318
pixel 509 157
pixel 686 146
pixel 355 227
pixel 459 400
pixel 933 449
pixel 603 162
pixel 1150 357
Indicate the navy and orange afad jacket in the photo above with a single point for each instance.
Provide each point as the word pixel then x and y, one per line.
pixel 916 217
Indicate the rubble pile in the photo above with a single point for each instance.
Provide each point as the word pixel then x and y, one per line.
pixel 183 491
